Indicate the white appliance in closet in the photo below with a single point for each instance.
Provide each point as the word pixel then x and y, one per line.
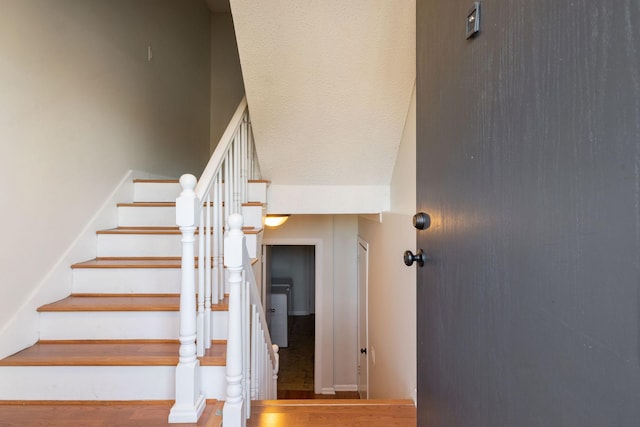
pixel 280 291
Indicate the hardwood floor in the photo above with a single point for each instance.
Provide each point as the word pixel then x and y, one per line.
pixel 296 361
pixel 306 394
pixel 326 413
pixel 286 413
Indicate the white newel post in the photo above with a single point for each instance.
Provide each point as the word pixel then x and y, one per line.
pixel 233 413
pixel 190 402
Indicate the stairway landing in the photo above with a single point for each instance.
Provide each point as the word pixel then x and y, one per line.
pixel 325 413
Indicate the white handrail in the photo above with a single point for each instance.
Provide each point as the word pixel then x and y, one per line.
pixel 219 154
pixel 201 206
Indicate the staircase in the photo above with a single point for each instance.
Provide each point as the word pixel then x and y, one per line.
pixel 165 312
pixel 115 336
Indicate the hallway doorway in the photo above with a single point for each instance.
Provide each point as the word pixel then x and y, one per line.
pixel 290 277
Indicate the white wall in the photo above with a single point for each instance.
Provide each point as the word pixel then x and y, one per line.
pixel 227 87
pixel 335 237
pixel 392 285
pixel 80 106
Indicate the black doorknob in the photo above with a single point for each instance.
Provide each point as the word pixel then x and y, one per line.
pixel 363 351
pixel 421 221
pixel 410 258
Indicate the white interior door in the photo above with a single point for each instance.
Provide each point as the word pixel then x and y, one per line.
pixel 363 321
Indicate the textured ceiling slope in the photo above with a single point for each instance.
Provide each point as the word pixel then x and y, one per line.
pixel 328 84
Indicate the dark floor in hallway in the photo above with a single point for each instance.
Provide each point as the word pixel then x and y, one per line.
pixel 295 379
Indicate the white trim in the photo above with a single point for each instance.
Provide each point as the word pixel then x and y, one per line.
pixel 362 243
pixel 328 199
pixel 327 390
pixel 322 352
pixel 346 387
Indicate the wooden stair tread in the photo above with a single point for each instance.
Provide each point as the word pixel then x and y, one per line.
pixel 156 181
pixel 100 413
pixel 130 262
pixel 147 205
pixel 176 181
pixel 114 303
pixel 160 230
pixel 110 353
pixel 169 204
pixel 122 302
pixel 134 262
pixel 140 230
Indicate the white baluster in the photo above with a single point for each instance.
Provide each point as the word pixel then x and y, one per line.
pixel 208 272
pixel 227 202
pixel 255 348
pixel 189 402
pixel 246 346
pixel 236 172
pixel 217 239
pixel 233 251
pixel 200 316
pixel 275 370
pixel 244 160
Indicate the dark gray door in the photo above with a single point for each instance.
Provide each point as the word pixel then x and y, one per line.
pixel 529 165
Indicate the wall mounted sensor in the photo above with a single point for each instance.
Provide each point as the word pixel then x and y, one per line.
pixel 473 20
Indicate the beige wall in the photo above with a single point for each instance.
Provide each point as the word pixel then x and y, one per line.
pixel 335 237
pixel 80 106
pixel 392 285
pixel 227 87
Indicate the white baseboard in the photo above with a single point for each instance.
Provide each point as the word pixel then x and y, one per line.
pixel 328 390
pixel 345 387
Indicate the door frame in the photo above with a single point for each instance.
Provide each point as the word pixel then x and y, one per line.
pixel 321 352
pixel 363 287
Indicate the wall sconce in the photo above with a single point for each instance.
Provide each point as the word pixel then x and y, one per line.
pixel 276 220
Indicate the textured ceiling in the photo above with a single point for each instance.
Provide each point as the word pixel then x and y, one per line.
pixel 328 84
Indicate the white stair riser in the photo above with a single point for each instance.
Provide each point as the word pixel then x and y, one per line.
pixel 252 216
pixel 156 191
pixel 126 280
pixel 168 192
pixel 84 325
pixel 213 382
pixel 88 382
pixel 146 216
pixel 101 382
pixel 139 245
pixel 253 243
pixel 165 216
pixel 257 192
pixel 144 245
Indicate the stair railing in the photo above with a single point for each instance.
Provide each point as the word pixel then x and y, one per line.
pixel 202 205
pixel 252 360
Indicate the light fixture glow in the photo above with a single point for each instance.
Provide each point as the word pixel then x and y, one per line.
pixel 276 220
